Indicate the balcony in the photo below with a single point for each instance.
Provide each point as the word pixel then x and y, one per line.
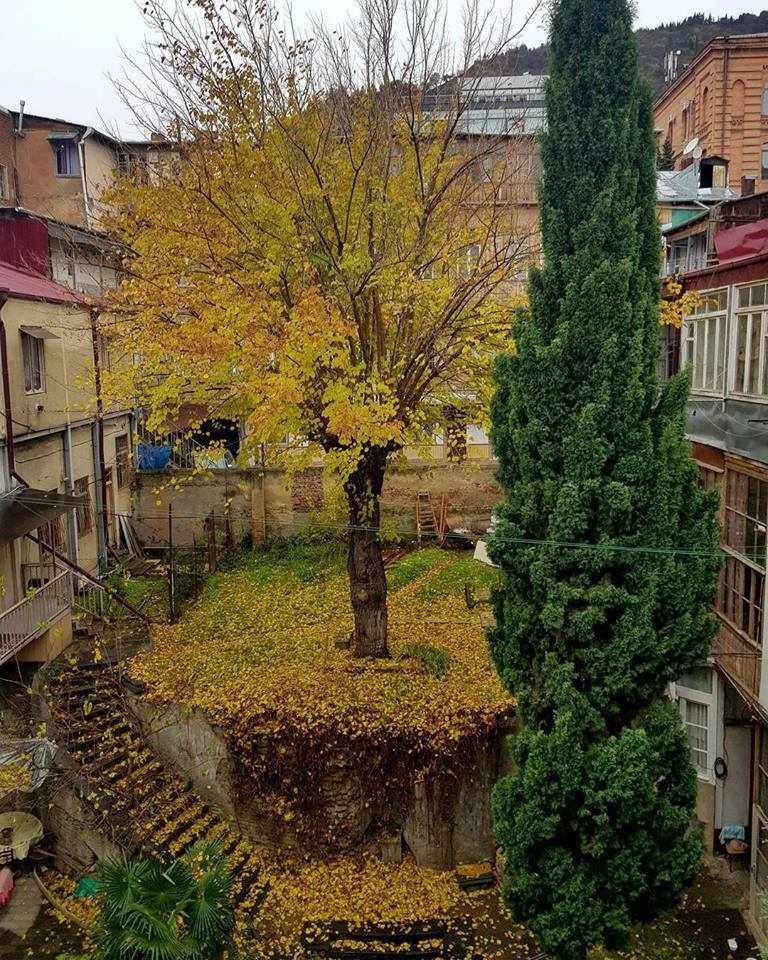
pixel 739 658
pixel 29 619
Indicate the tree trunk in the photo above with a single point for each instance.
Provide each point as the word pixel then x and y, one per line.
pixel 367 580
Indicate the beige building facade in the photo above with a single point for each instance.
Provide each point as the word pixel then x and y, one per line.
pixel 52 486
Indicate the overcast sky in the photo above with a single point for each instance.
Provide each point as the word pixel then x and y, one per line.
pixel 57 56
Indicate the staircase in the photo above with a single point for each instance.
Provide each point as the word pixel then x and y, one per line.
pixel 430 526
pixel 144 806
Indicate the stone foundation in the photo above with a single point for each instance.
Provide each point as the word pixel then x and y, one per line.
pixel 448 821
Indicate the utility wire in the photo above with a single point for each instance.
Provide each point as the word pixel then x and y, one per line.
pixel 449 535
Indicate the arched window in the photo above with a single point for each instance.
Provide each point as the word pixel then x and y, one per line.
pixel 737 98
pixel 705 104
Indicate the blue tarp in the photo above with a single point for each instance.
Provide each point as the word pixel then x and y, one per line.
pixel 153 458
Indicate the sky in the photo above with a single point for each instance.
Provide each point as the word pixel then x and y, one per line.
pixel 62 54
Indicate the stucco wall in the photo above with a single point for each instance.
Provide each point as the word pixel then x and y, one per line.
pixel 265 503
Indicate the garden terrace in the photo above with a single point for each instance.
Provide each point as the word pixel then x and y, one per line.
pixel 263 654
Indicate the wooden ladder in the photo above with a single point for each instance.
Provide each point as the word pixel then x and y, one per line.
pixel 428 524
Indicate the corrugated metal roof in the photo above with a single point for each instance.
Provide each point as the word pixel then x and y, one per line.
pixel 501 84
pixel 682 186
pixel 31 286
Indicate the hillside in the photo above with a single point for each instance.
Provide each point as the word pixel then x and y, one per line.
pixel 688 36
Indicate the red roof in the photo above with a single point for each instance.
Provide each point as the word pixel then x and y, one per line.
pixel 23 285
pixel 738 243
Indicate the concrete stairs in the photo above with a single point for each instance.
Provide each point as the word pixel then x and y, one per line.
pixel 146 807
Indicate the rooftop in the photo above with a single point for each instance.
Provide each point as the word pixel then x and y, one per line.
pixel 24 285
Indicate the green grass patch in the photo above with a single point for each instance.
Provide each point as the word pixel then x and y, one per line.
pixel 434 660
pixel 451 578
pixel 414 565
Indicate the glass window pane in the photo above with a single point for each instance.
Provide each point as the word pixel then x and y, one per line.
pixel 741 351
pixel 744 293
pixel 700 678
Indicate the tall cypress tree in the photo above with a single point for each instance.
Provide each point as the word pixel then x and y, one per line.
pixel 603 610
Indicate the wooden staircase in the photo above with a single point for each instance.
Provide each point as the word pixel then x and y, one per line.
pixel 142 805
pixel 430 526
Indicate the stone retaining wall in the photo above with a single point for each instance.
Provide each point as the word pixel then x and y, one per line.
pixel 449 822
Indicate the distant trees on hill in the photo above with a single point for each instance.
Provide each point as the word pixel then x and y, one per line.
pixel 688 36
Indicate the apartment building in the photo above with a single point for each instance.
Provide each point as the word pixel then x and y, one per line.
pixel 65 473
pixel 60 169
pixel 719 105
pixel 724 703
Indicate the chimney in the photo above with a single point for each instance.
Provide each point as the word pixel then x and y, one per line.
pixel 747 186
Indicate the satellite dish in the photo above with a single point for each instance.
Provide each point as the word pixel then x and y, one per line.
pixel 690 146
pixel 698 153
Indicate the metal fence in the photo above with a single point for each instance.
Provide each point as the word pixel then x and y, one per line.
pixel 31 617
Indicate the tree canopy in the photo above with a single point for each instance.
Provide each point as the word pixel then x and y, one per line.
pixel 325 255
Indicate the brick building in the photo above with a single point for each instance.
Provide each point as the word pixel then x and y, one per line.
pixel 721 100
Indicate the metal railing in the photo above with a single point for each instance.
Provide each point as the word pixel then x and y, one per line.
pixel 31 617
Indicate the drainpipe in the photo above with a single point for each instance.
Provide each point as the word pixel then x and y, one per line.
pixel 66 452
pixel 83 177
pixel 99 430
pixel 10 458
pixel 7 405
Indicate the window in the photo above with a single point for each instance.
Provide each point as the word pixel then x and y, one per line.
pixel 122 460
pixel 742 582
pixel 4 193
pixel 765 100
pixel 468 260
pixel 85 512
pixel 751 374
pixel 695 692
pixel 102 344
pixel 704 341
pixel 669 353
pixel 764 162
pixel 33 356
pixel 52 533
pixel 67 157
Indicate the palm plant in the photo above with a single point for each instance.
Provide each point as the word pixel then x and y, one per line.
pixel 166 911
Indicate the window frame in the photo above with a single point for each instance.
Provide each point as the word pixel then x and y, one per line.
pixel 684 695
pixel 5 193
pixel 693 325
pixel 122 461
pixel 66 147
pixel 738 566
pixel 467 263
pixel 32 348
pixel 742 389
pixel 85 517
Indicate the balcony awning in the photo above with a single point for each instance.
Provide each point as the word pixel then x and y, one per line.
pixel 25 509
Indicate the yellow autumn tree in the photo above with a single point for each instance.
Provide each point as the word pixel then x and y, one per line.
pixel 328 255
